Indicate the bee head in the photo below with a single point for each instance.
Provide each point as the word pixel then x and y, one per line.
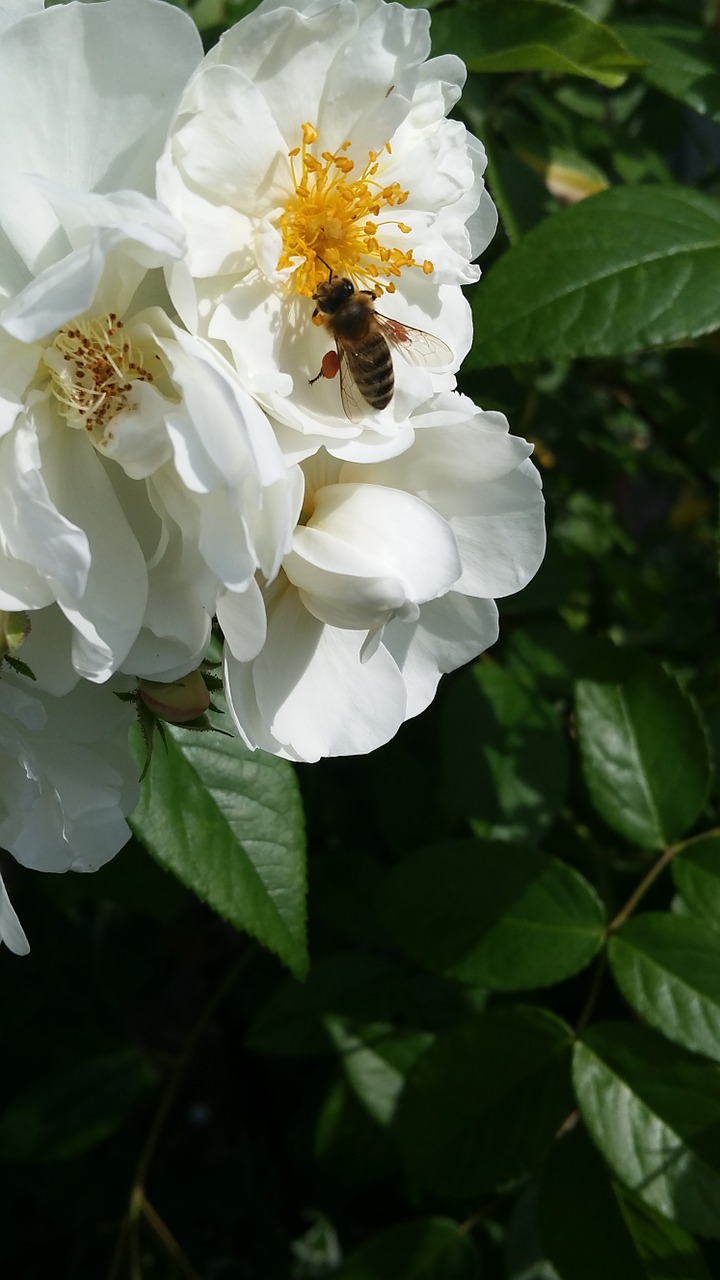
pixel 331 294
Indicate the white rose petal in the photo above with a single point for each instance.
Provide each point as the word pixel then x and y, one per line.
pixel 103 79
pixel 11 931
pixel 67 782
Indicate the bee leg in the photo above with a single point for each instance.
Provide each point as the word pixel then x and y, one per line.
pixel 328 368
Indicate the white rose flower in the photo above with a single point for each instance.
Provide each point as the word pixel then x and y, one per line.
pixel 140 479
pixel 67 782
pixel 390 582
pixel 313 139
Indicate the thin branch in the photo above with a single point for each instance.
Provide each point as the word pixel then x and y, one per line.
pixel 173 1085
pixel 652 875
pixel 639 893
pixel 168 1241
pixel 592 995
pixel 119 1250
pixel 139 1206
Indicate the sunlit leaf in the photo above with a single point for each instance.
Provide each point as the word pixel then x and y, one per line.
pixel 532 35
pixel 228 822
pixel 624 270
pixel 375 1060
pixel 668 969
pixel 653 1109
pixel 696 872
pixel 644 754
pixel 593 1228
pixel 681 59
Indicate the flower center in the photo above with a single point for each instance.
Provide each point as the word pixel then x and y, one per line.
pixel 332 221
pixel 93 367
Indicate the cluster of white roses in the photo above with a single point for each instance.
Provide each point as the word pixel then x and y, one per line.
pixel 165 220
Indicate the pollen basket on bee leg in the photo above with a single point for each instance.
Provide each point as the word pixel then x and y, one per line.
pixel 330 364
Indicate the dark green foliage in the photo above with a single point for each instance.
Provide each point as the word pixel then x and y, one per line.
pixel 503 1061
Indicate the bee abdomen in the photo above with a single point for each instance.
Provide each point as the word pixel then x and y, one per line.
pixel 373 370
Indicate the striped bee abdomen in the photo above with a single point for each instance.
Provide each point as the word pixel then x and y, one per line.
pixel 372 367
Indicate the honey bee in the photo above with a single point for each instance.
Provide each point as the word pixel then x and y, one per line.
pixel 363 340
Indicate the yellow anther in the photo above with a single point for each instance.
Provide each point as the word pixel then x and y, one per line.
pixel 327 222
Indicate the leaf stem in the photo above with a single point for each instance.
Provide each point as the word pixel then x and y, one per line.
pixel 652 875
pixel 639 893
pixel 593 993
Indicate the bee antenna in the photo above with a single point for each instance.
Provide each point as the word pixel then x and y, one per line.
pixel 325 264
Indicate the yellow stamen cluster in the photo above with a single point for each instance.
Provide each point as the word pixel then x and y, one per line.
pixel 93 367
pixel 332 222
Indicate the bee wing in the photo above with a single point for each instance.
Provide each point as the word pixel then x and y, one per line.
pixel 353 401
pixel 418 347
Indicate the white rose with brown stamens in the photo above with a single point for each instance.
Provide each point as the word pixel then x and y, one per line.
pixel 139 478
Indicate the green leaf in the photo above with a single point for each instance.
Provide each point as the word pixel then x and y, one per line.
pixel 519 193
pixel 627 269
pixel 358 988
pixel 552 656
pixel 228 822
pixel 499 915
pixel 696 872
pixel 294 1020
pixel 683 60
pixel 484 1102
pixel 592 1228
pixel 532 35
pixel 375 1060
pixel 427 1249
pixel 668 969
pixel 644 754
pixel 504 757
pixel 348 1145
pixel 653 1109
pixel 70 1110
